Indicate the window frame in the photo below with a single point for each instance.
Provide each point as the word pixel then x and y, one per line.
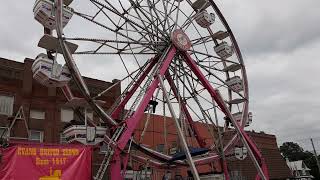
pixel 12 105
pixel 40 138
pixel 4 129
pixel 37 110
pixel 61 114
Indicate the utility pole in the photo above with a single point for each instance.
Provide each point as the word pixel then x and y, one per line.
pixel 315 154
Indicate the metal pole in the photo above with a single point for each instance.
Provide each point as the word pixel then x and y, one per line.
pixel 85 117
pixel 315 154
pixel 183 140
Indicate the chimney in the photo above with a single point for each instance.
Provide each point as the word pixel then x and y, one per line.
pixel 27 77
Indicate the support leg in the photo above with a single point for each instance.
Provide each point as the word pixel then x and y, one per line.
pixel 132 122
pixel 180 133
pixel 252 149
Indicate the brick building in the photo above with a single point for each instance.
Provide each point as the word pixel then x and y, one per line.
pixel 46 114
pixel 45 109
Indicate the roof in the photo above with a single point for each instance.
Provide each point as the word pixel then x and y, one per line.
pixel 297 165
pixel 267 145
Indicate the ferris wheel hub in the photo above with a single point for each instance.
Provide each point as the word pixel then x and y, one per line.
pixel 181 40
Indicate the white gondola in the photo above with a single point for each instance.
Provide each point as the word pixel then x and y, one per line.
pixel 200 4
pixel 237 116
pixel 48 73
pixel 220 35
pixel 67 2
pixel 232 68
pixel 223 50
pixel 85 134
pixel 204 19
pixel 51 43
pixel 235 84
pixel 44 13
pixel 236 101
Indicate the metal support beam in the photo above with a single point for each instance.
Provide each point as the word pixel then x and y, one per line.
pixel 116 112
pixel 199 138
pixel 180 133
pixel 252 149
pixel 132 122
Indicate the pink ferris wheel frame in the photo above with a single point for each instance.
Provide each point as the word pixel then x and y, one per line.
pixel 129 125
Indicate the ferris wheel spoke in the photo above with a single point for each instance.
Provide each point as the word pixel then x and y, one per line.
pixel 137 71
pixel 199 41
pixel 137 18
pixel 101 9
pixel 189 20
pixel 110 53
pixel 165 8
pixel 137 10
pixel 182 103
pixel 103 26
pixel 194 95
pixel 164 16
pixel 194 52
pixel 133 24
pixel 177 15
pixel 100 41
pixel 159 21
pixel 145 12
pixel 211 127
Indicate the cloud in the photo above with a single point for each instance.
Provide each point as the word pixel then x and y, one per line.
pixel 19 32
pixel 264 27
pixel 284 92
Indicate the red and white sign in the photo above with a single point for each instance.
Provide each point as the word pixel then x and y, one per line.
pixel 46 162
pixel 181 40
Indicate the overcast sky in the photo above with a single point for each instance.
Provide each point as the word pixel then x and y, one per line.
pixel 280 42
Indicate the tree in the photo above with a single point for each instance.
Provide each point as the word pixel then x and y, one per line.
pixel 293 151
pixel 312 164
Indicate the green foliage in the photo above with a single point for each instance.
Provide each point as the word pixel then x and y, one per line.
pixel 293 152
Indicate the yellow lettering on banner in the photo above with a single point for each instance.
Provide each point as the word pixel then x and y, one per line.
pixel 26 151
pixel 70 152
pixel 42 162
pixel 49 152
pixel 59 161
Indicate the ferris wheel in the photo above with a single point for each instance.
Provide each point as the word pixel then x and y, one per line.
pixel 180 61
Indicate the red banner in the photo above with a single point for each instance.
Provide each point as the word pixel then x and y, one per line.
pixel 41 162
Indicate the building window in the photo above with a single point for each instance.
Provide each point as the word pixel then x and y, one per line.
pixel 3 130
pixel 36 135
pixel 66 114
pixel 6 105
pixel 36 114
